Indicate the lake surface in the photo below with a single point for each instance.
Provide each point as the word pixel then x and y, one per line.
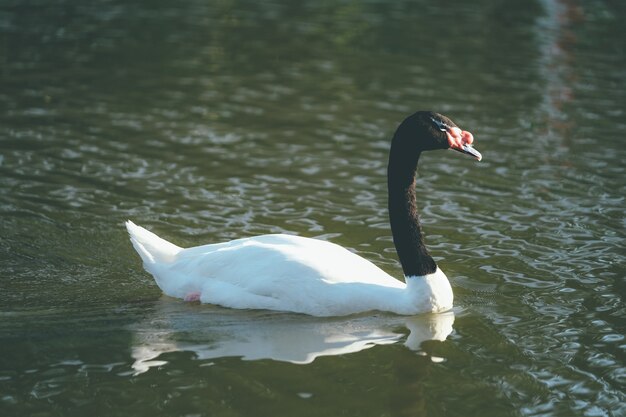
pixel 207 121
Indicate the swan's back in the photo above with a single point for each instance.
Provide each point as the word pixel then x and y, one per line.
pixel 280 256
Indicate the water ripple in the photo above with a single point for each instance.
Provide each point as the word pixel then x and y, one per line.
pixel 218 121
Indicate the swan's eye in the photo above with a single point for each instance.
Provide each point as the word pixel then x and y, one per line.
pixel 440 125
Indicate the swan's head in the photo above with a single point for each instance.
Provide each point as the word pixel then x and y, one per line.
pixel 455 138
pixel 435 131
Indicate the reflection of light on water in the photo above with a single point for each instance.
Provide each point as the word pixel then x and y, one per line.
pixel 429 327
pixel 557 55
pixel 211 332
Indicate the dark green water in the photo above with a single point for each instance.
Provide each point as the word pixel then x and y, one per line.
pixel 206 121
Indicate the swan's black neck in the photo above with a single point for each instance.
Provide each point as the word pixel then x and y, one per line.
pixel 403 216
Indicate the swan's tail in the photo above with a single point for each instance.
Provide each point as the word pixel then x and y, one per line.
pixel 149 246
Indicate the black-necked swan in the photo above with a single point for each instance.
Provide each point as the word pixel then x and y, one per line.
pixel 304 275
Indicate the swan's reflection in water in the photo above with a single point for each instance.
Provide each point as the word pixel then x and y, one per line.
pixel 213 332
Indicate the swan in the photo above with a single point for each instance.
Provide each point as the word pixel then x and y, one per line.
pixel 319 278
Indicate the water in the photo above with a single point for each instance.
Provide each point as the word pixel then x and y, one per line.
pixel 207 121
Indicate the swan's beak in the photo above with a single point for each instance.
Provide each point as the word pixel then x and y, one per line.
pixel 461 141
pixel 469 150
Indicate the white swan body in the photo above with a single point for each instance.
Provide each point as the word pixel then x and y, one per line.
pixel 286 273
